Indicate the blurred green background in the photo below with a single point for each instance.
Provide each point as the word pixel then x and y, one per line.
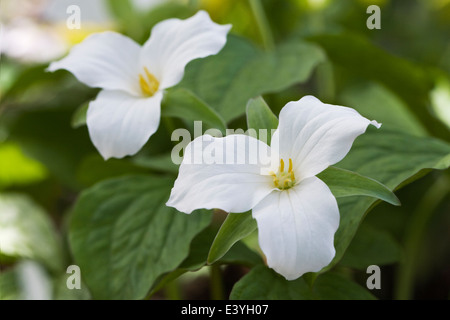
pixel 398 75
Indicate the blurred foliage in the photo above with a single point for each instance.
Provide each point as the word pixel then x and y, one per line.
pixel 398 75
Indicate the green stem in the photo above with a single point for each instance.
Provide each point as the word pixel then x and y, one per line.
pixel 217 290
pixel 414 235
pixel 263 24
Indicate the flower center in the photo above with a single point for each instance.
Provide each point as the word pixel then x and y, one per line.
pixel 284 180
pixel 149 83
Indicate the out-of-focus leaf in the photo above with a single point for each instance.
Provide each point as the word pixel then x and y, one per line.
pixel 184 104
pixel 241 71
pixel 376 102
pixel 363 59
pixel 440 99
pixel 62 292
pixel 27 232
pixel 371 246
pixel 124 237
pixel 9 285
pixel 16 168
pixel 262 283
pixel 260 117
pixel 46 136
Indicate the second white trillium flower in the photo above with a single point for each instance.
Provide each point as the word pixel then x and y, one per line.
pixel 128 109
pixel 296 213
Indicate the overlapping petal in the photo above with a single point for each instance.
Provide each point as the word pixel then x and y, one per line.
pixel 174 43
pixel 106 60
pixel 316 135
pixel 120 124
pixel 296 228
pixel 222 173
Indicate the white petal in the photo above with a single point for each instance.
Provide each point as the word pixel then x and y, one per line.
pixel 316 135
pixel 120 124
pixel 105 60
pixel 174 43
pixel 222 173
pixel 296 228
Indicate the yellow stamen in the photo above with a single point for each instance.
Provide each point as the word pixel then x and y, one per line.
pixel 284 180
pixel 150 85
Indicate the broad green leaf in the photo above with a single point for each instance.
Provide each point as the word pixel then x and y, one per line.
pixel 26 232
pixel 184 104
pixel 371 247
pixel 376 102
pixel 124 237
pixel 260 117
pixel 344 183
pixel 334 286
pixel 16 168
pixel 361 58
pixel 235 227
pixel 241 71
pixel 262 283
pixel 391 157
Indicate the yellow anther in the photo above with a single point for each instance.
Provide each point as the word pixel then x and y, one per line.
pixel 150 85
pixel 284 180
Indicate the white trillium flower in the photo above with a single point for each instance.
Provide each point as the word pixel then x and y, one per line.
pixel 296 213
pixel 133 78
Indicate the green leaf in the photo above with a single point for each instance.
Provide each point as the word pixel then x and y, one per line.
pixel 391 157
pixel 241 71
pixel 260 117
pixel 371 247
pixel 46 135
pixel 376 102
pixel 358 56
pixel 26 232
pixel 345 183
pixel 262 283
pixel 94 169
pixel 334 286
pixel 184 104
pixel 124 237
pixel 239 254
pixel 235 227
pixel 161 163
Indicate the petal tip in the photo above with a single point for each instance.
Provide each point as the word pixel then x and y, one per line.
pixel 376 124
